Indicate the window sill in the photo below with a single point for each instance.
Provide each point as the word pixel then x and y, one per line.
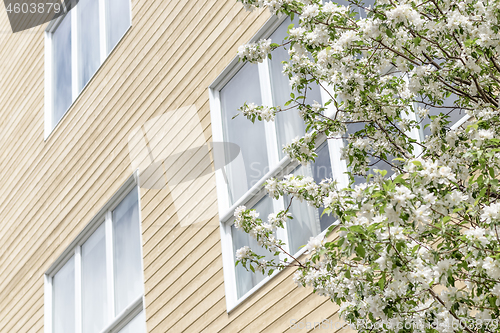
pixel 125 316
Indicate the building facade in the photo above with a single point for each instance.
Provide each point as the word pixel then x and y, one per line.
pixel 115 215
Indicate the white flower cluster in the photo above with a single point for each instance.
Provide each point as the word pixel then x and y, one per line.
pixel 263 232
pixel 255 52
pixel 301 188
pixel 301 148
pixel 314 244
pixel 273 5
pixel 243 253
pixel 253 112
pixel 491 213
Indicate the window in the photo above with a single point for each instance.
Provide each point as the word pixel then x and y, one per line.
pixel 76 46
pixel 97 284
pixel 261 157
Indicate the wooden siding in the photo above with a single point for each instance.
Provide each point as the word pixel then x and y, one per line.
pixel 49 190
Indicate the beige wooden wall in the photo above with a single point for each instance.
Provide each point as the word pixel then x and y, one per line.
pixel 49 190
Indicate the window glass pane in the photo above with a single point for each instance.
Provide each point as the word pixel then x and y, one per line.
pixel 94 291
pixel 88 40
pixel 127 252
pixel 252 164
pixel 246 280
pixel 62 91
pixel 366 3
pixel 448 108
pixel 63 288
pixel 289 124
pixel 118 20
pixel 322 169
pixel 359 12
pixel 136 325
pixel 377 163
pixel 306 222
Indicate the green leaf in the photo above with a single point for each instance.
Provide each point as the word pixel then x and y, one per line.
pixel 492 172
pixel 381 282
pixel 398 180
pixel 357 228
pixel 360 250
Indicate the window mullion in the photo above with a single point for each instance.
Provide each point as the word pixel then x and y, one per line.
pixel 74 50
pixel 270 127
pixel 110 264
pixel 414 133
pixel 78 289
pixel 339 166
pixel 272 141
pixel 102 30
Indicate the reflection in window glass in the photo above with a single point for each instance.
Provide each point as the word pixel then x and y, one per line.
pixel 118 20
pixel 246 280
pixel 62 88
pixel 63 289
pixel 127 252
pixel 88 40
pixel 94 291
pixel 244 172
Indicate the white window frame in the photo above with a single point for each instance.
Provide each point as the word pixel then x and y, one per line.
pixel 277 167
pixel 49 123
pixel 74 249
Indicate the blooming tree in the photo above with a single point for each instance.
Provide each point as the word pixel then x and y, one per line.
pixel 416 249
